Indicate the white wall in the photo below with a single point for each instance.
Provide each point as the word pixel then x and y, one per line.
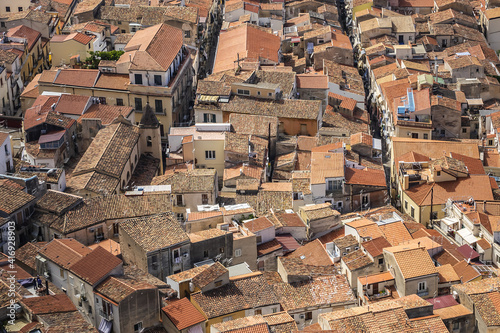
pixel 6 156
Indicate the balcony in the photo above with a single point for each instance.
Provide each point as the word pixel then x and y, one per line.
pixel 383 293
pixel 333 192
pixel 107 316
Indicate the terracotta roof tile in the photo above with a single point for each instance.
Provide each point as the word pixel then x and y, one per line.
pixel 396 233
pixel 375 246
pixel 356 260
pixel 446 273
pixel 258 224
pixel 58 202
pixel 155 231
pixel 95 266
pixel 13 197
pixel 64 252
pixel 245 292
pixel 76 77
pixel 208 275
pixel 117 288
pixel 313 254
pixel 183 314
pixel 371 177
pixel 415 262
pixel 49 304
pixel 268 247
pixel 22 31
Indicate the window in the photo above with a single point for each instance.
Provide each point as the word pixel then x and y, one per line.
pixel 426 136
pixel 456 325
pixel 270 94
pixel 158 106
pixel 89 46
pixel 333 185
pixel 221 250
pixel 119 101
pixel 138 104
pixel 7 9
pixel 71 281
pixel 187 34
pixel 218 283
pixel 138 78
pixel 464 130
pixel 115 229
pixel 138 327
pixel 157 80
pixel 61 272
pixel 210 154
pixel 123 31
pixel 180 217
pixel 434 215
pixel 209 118
pixel 177 253
pixel 204 199
pixel 257 312
pixel 414 135
pixel 154 262
pixel 259 239
pixel 243 92
pixel 258 93
pixel 303 129
pixel 149 142
pixel 102 100
pixel 422 286
pixel 2 24
pixel 381 261
pixel 490 142
pixel 118 22
pixel 20 9
pixel 179 199
pixel 205 253
pixel 498 259
pixel 274 310
pixel 237 253
pixel 309 316
pixel 406 205
pixel 438 173
pixel 412 212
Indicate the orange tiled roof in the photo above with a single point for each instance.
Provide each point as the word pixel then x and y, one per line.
pixel 183 314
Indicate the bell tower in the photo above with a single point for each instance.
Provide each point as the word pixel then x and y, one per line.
pixel 150 139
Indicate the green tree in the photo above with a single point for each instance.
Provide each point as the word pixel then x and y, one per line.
pixel 96 57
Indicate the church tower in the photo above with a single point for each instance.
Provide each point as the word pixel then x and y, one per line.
pixel 150 139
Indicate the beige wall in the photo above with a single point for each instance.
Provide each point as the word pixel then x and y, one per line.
pixel 402 132
pixel 14 6
pixel 248 246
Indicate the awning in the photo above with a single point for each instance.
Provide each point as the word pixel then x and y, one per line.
pixel 105 326
pixel 449 221
pixel 467 236
pixel 208 99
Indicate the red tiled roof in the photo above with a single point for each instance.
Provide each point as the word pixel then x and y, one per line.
pixel 95 266
pixel 49 304
pixel 314 254
pixel 312 81
pixel 72 104
pixel 474 165
pixel 287 242
pixel 366 176
pixel 268 247
pixel 64 252
pixel 258 224
pixel 442 301
pixel 183 314
pixel 23 31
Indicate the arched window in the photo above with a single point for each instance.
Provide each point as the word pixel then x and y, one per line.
pixel 149 141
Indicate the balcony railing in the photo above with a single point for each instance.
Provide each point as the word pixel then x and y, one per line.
pixel 107 316
pixel 381 294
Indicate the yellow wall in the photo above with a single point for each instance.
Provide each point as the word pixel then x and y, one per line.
pixel 423 213
pixel 402 132
pixel 216 320
pixel 65 50
pixel 200 146
pixel 359 8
